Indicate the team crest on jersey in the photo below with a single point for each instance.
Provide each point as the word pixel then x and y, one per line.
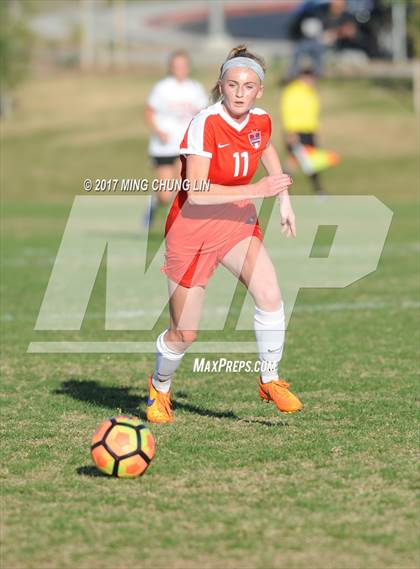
pixel 254 138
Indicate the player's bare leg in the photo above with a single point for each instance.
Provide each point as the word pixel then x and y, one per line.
pixel 162 198
pixel 167 172
pixel 185 310
pixel 250 262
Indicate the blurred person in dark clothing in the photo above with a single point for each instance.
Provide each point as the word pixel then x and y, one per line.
pixel 307 30
pixel 318 26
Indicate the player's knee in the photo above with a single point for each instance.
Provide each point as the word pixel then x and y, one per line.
pixel 186 336
pixel 269 299
pixel 189 336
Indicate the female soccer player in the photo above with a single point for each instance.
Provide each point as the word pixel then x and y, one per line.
pixel 223 144
pixel 170 107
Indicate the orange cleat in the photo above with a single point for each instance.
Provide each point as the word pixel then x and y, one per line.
pixel 278 392
pixel 158 405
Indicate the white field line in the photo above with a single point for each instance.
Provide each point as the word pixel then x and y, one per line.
pixel 40 257
pixel 321 307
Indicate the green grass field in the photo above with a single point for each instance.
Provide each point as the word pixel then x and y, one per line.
pixel 233 484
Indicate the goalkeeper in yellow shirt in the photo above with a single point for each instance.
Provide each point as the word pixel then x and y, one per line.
pixel 299 111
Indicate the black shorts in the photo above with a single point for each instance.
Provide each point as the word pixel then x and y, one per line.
pixel 163 160
pixel 305 138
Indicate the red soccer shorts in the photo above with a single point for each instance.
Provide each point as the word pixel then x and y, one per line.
pixel 194 249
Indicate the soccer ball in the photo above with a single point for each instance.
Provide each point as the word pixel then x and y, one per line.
pixel 122 447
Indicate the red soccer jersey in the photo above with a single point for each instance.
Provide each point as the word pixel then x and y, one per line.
pixel 234 150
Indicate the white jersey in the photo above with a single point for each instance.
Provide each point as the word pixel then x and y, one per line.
pixel 174 104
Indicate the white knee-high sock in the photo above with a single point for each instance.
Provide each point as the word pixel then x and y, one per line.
pixel 167 361
pixel 269 332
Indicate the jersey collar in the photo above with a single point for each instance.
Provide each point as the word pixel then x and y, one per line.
pixel 236 125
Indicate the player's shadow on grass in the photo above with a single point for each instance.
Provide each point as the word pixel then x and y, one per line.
pixel 114 398
pixel 121 399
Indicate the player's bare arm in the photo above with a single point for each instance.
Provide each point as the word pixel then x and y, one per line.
pixel 197 172
pixel 271 163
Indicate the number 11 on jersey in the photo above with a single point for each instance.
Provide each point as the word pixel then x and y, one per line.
pixel 237 156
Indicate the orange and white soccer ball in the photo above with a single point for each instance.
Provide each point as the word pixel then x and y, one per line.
pixel 122 447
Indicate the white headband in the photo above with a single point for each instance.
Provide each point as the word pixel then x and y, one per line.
pixel 243 62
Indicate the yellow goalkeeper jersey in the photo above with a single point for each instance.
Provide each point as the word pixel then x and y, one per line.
pixel 299 107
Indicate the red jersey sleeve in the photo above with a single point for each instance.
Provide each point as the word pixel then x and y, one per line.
pixel 199 138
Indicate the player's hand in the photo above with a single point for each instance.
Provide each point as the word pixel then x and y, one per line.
pixel 287 217
pixel 273 185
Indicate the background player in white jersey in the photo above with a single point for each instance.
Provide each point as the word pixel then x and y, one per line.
pixel 224 145
pixel 170 107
